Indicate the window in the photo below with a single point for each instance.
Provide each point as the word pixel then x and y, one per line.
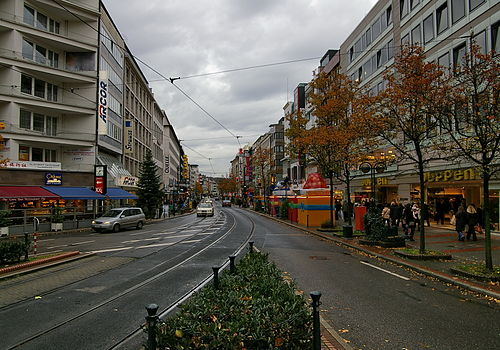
pixel 24 153
pixel 442 18
pixel 26 84
pixel 457 10
pixel 27 50
pixel 403 7
pixel 50 155
pixel 428 29
pixel 40 54
pixel 414 3
pixel 42 21
pixel 459 56
pixel 38 122
pixel 416 38
pixel 406 39
pixel 25 119
pixel 37 154
pixel 388 15
pixel 29 15
pixel 480 40
pixel 39 88
pixel 475 3
pixel 368 37
pixel 390 50
pixel 383 22
pixel 444 61
pixel 495 42
pixel 376 29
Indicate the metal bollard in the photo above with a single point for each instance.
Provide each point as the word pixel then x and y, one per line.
pixel 251 246
pixel 316 324
pixel 151 320
pixel 216 276
pixel 232 266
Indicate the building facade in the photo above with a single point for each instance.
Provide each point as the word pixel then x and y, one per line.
pixel 48 94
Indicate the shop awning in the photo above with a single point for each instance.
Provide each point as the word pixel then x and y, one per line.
pixel 74 192
pixel 25 193
pixel 118 193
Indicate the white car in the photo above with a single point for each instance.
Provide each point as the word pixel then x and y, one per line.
pixel 205 209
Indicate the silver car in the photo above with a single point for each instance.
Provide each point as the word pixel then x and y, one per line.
pixel 118 218
pixel 205 209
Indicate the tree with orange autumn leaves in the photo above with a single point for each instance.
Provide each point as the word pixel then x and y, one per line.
pixel 471 125
pixel 342 133
pixel 261 162
pixel 228 186
pixel 409 109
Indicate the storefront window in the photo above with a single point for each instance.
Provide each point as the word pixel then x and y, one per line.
pixel 495 210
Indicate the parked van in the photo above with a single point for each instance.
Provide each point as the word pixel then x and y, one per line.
pixel 117 218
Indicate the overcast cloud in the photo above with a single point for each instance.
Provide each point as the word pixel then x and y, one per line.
pixel 180 38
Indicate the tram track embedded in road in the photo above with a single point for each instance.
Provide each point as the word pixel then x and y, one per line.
pixel 143 284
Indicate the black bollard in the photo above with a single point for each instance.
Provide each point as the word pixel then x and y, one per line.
pixel 316 324
pixel 232 266
pixel 151 320
pixel 251 246
pixel 216 276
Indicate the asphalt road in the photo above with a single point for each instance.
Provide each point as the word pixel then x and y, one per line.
pixel 371 304
pixel 376 305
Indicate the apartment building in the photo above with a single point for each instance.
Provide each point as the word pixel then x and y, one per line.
pixel 445 29
pixel 48 70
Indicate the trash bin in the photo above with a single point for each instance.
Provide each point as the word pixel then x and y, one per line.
pixel 347 231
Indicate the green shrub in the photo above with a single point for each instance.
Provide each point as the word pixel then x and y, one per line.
pixel 4 218
pixel 57 216
pixel 258 206
pixel 253 309
pixel 12 250
pixel 284 210
pixel 374 224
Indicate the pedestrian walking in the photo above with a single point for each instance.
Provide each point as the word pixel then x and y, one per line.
pixel 472 221
pixel 426 214
pixel 338 208
pixel 413 219
pixel 408 220
pixel 460 222
pixel 393 213
pixel 386 215
pixel 399 213
pixel 440 210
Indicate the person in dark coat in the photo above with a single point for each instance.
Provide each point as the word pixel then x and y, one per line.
pixel 410 221
pixel 460 222
pixel 394 213
pixel 440 210
pixel 426 214
pixel 472 221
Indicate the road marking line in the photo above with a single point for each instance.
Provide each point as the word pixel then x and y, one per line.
pixel 110 250
pixel 192 241
pixel 154 245
pixel 46 240
pixel 140 240
pixel 176 236
pixel 386 271
pixel 57 246
pixel 79 243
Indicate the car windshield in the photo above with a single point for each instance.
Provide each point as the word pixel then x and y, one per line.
pixel 205 205
pixel 111 213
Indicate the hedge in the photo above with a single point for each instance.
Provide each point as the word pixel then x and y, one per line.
pixel 12 250
pixel 253 309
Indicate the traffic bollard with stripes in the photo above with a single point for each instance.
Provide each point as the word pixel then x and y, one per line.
pixel 232 266
pixel 251 246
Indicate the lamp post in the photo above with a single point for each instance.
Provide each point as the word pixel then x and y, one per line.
pixel 372 168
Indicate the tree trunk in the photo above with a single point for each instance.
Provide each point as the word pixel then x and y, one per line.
pixel 348 193
pixel 330 177
pixel 422 199
pixel 486 211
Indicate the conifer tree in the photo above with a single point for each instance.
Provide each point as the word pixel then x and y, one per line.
pixel 150 192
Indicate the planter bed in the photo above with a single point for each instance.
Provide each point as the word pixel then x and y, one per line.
pixel 416 256
pixel 478 277
pixel 391 242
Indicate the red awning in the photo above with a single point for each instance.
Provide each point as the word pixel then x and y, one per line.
pixel 25 193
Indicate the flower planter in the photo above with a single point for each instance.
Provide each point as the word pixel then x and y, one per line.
pixel 56 226
pixel 4 231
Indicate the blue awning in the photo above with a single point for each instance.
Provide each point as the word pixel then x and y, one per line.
pixel 118 193
pixel 74 192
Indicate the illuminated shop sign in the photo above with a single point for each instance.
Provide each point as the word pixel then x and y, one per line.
pixel 53 179
pixel 102 110
pixel 129 137
pixel 451 175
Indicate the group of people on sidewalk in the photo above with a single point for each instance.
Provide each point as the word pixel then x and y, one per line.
pixel 466 220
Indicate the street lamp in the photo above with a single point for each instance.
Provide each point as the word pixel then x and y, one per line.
pixel 372 168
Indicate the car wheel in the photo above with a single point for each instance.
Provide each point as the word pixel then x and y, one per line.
pixel 96 229
pixel 116 228
pixel 139 225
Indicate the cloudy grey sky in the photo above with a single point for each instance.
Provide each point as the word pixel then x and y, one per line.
pixel 181 38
